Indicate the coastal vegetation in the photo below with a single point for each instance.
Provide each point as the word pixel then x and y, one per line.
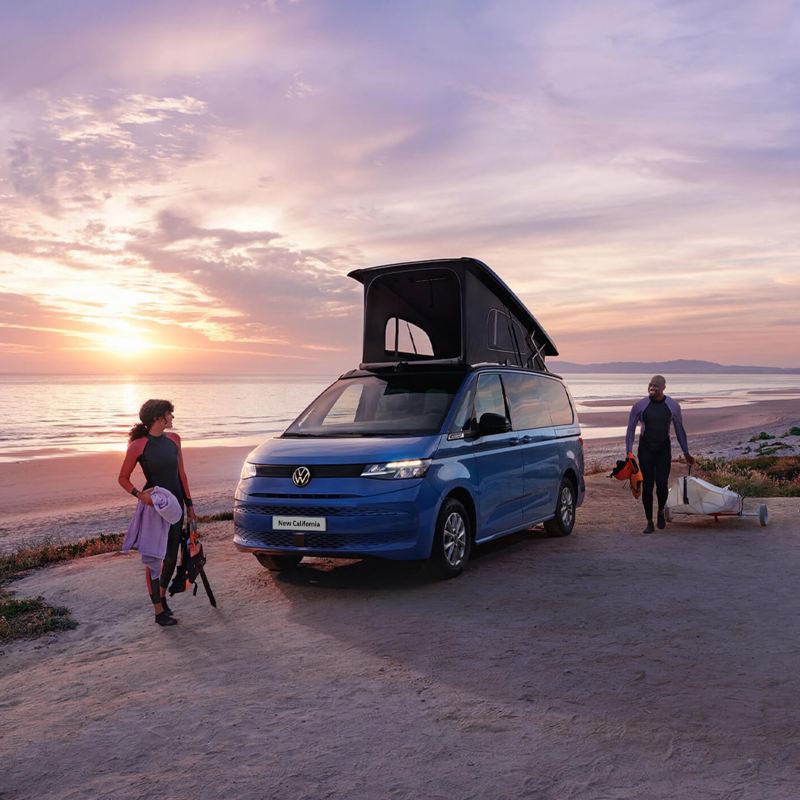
pixel 31 616
pixel 764 475
pixel 24 616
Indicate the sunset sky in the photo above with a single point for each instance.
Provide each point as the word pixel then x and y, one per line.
pixel 184 185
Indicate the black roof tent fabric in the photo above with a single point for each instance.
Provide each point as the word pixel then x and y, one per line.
pixel 467 312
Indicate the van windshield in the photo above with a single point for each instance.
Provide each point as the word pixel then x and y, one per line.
pixel 385 405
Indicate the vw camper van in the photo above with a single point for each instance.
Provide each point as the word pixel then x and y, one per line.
pixel 450 433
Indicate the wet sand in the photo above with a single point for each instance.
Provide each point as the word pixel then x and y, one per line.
pixel 76 496
pixel 604 665
pixel 703 420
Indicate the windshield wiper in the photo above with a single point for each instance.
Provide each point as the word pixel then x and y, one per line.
pixel 354 434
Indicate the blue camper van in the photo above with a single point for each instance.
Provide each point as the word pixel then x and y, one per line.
pixel 451 432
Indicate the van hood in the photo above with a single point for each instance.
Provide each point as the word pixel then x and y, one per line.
pixel 362 450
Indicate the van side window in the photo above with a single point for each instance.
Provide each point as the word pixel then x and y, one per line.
pixel 558 402
pixel 489 397
pixel 527 401
pixel 462 420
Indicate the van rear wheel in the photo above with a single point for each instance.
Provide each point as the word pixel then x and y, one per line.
pixel 278 563
pixel 564 520
pixel 452 541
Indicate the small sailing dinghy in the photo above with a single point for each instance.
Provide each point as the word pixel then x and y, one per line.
pixel 689 495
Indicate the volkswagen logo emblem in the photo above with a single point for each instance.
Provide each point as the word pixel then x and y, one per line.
pixel 301 476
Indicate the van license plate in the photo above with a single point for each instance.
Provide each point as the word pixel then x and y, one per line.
pixel 299 524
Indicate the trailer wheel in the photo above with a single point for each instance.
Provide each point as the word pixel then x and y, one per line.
pixel 763 516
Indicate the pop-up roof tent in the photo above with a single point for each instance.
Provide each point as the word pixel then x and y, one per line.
pixel 454 311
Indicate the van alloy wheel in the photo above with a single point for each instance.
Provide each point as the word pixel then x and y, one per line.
pixel 455 539
pixel 564 520
pixel 567 508
pixel 452 540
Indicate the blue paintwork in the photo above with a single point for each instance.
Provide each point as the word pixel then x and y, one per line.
pixel 511 479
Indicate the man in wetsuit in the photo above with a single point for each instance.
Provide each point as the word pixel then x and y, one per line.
pixel 656 412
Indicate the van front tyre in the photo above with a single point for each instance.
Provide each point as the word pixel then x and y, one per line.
pixel 452 541
pixel 278 563
pixel 564 520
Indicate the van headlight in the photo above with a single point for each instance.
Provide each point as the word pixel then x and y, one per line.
pixel 415 468
pixel 248 471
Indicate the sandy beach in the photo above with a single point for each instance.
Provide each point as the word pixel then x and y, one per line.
pixel 77 496
pixel 605 665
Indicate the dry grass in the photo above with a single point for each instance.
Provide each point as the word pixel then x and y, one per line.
pixel 762 476
pixel 49 552
pixel 24 616
pixel 596 465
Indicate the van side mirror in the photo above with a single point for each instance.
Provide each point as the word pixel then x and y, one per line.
pixel 490 424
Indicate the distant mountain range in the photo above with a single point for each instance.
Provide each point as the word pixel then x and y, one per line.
pixel 680 365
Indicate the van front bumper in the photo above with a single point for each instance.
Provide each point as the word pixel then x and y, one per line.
pixel 395 525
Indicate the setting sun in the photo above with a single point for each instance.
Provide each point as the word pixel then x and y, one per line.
pixel 125 344
pixel 122 339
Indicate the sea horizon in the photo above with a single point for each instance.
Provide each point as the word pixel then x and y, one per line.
pixel 72 414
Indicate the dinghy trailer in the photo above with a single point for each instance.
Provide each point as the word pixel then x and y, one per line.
pixel 689 495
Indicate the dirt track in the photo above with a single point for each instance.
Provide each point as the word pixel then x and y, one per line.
pixel 605 665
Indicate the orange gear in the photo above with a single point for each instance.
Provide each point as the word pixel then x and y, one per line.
pixel 628 470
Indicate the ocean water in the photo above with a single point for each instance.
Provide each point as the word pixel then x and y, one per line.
pixel 45 416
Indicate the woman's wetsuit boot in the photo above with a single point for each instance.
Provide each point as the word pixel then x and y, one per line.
pixel 164 620
pixel 154 590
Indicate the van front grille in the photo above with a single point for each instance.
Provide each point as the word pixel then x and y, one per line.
pixel 317 470
pixel 318 541
pixel 318 511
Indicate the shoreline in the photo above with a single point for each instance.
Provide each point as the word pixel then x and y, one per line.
pixel 74 496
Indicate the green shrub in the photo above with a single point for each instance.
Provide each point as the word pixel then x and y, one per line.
pixel 26 616
pixel 761 436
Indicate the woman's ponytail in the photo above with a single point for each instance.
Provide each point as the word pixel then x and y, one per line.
pixel 137 431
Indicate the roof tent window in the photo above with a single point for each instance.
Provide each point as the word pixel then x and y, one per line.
pixel 505 334
pixel 405 338
pixel 423 306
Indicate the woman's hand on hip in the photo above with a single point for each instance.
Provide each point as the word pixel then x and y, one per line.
pixel 145 498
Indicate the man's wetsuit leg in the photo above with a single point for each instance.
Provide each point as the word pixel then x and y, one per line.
pixel 171 556
pixel 662 465
pixel 655 464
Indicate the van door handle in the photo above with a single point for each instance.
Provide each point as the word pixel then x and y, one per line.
pixel 527 439
pixel 513 441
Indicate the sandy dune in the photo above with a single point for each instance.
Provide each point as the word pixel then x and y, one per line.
pixel 605 665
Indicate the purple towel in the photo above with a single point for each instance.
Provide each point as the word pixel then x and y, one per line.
pixel 149 528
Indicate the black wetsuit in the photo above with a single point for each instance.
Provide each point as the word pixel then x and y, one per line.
pixel 159 461
pixel 655 454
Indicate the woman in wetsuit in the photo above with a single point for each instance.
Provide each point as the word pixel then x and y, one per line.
pixel 158 451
